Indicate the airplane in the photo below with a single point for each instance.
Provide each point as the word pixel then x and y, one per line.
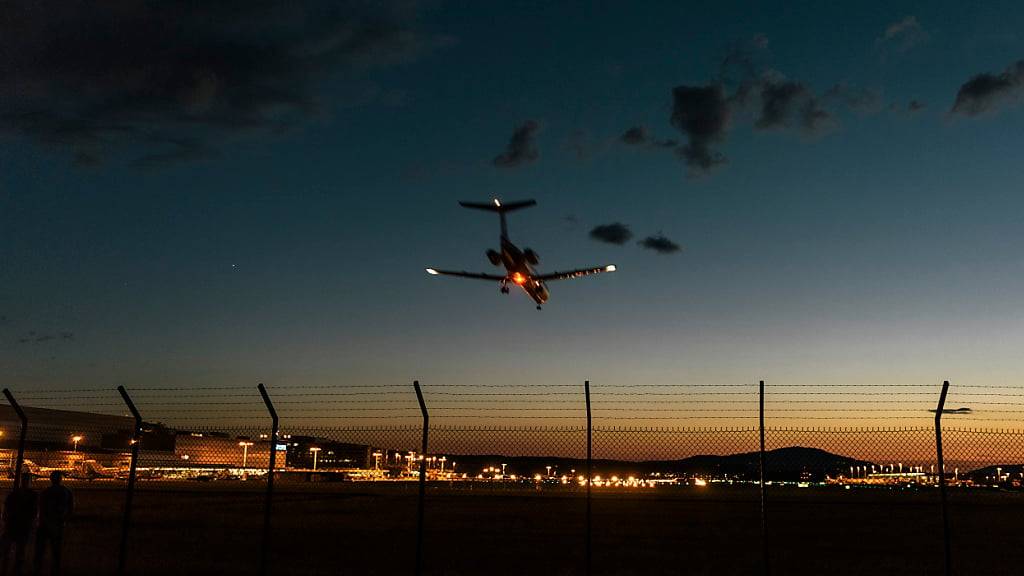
pixel 518 263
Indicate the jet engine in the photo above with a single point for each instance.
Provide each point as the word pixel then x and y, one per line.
pixel 531 256
pixel 494 257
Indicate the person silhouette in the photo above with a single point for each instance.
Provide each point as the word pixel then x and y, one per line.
pixel 19 511
pixel 56 503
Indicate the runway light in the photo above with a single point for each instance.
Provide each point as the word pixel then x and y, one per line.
pixel 609 268
pixel 431 271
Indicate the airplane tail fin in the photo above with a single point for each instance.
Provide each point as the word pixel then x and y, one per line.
pixel 501 208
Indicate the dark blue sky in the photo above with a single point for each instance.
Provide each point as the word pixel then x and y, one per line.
pixel 280 233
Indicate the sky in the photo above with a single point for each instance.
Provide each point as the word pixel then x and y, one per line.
pixel 251 192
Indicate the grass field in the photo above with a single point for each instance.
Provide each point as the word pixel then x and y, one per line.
pixel 362 528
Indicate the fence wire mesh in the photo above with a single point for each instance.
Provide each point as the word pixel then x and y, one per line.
pixel 674 482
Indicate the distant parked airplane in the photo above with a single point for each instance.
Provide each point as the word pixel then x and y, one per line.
pixel 518 263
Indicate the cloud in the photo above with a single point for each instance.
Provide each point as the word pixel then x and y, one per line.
pixel 634 135
pixel 639 136
pixel 32 337
pixel 903 35
pixel 166 78
pixel 744 89
pixel 785 104
pixel 915 106
pixel 660 244
pixel 986 92
pixel 521 148
pixel 701 113
pixel 615 233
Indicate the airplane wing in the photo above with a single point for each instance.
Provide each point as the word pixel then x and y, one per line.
pixel 493 277
pixel 567 275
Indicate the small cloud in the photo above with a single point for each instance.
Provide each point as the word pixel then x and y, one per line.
pixel 639 136
pixel 32 337
pixel 701 113
pixel 785 104
pixel 521 148
pixel 615 233
pixel 985 92
pixel 660 244
pixel 635 136
pixel 903 35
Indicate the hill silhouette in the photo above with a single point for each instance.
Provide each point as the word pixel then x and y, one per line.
pixel 790 463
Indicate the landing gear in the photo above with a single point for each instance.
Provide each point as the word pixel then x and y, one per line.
pixel 504 287
pixel 538 308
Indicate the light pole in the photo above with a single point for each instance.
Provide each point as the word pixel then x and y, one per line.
pixel 376 460
pixel 315 451
pixel 442 460
pixel 549 470
pixel 245 452
pixel 503 469
pixel 76 439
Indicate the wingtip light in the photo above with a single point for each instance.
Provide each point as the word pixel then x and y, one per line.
pixel 497 203
pixel 610 268
pixel 432 271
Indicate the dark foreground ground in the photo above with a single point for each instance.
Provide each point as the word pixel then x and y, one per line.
pixel 215 528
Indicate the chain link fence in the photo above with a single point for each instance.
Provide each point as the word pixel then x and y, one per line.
pixel 678 481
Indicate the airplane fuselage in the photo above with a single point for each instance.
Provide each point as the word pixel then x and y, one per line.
pixel 519 272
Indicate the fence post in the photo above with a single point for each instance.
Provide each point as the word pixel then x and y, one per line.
pixel 942 477
pixel 764 495
pixel 127 518
pixel 22 435
pixel 423 479
pixel 586 549
pixel 265 549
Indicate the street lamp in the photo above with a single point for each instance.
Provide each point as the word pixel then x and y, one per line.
pixel 549 470
pixel 442 460
pixel 76 440
pixel 245 452
pixel 376 460
pixel 315 451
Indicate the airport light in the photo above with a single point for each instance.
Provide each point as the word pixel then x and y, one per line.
pixel 503 468
pixel 549 470
pixel 245 452
pixel 315 451
pixel 376 460
pixel 442 460
pixel 76 439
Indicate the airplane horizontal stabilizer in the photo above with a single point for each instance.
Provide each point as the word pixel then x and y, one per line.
pixel 498 206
